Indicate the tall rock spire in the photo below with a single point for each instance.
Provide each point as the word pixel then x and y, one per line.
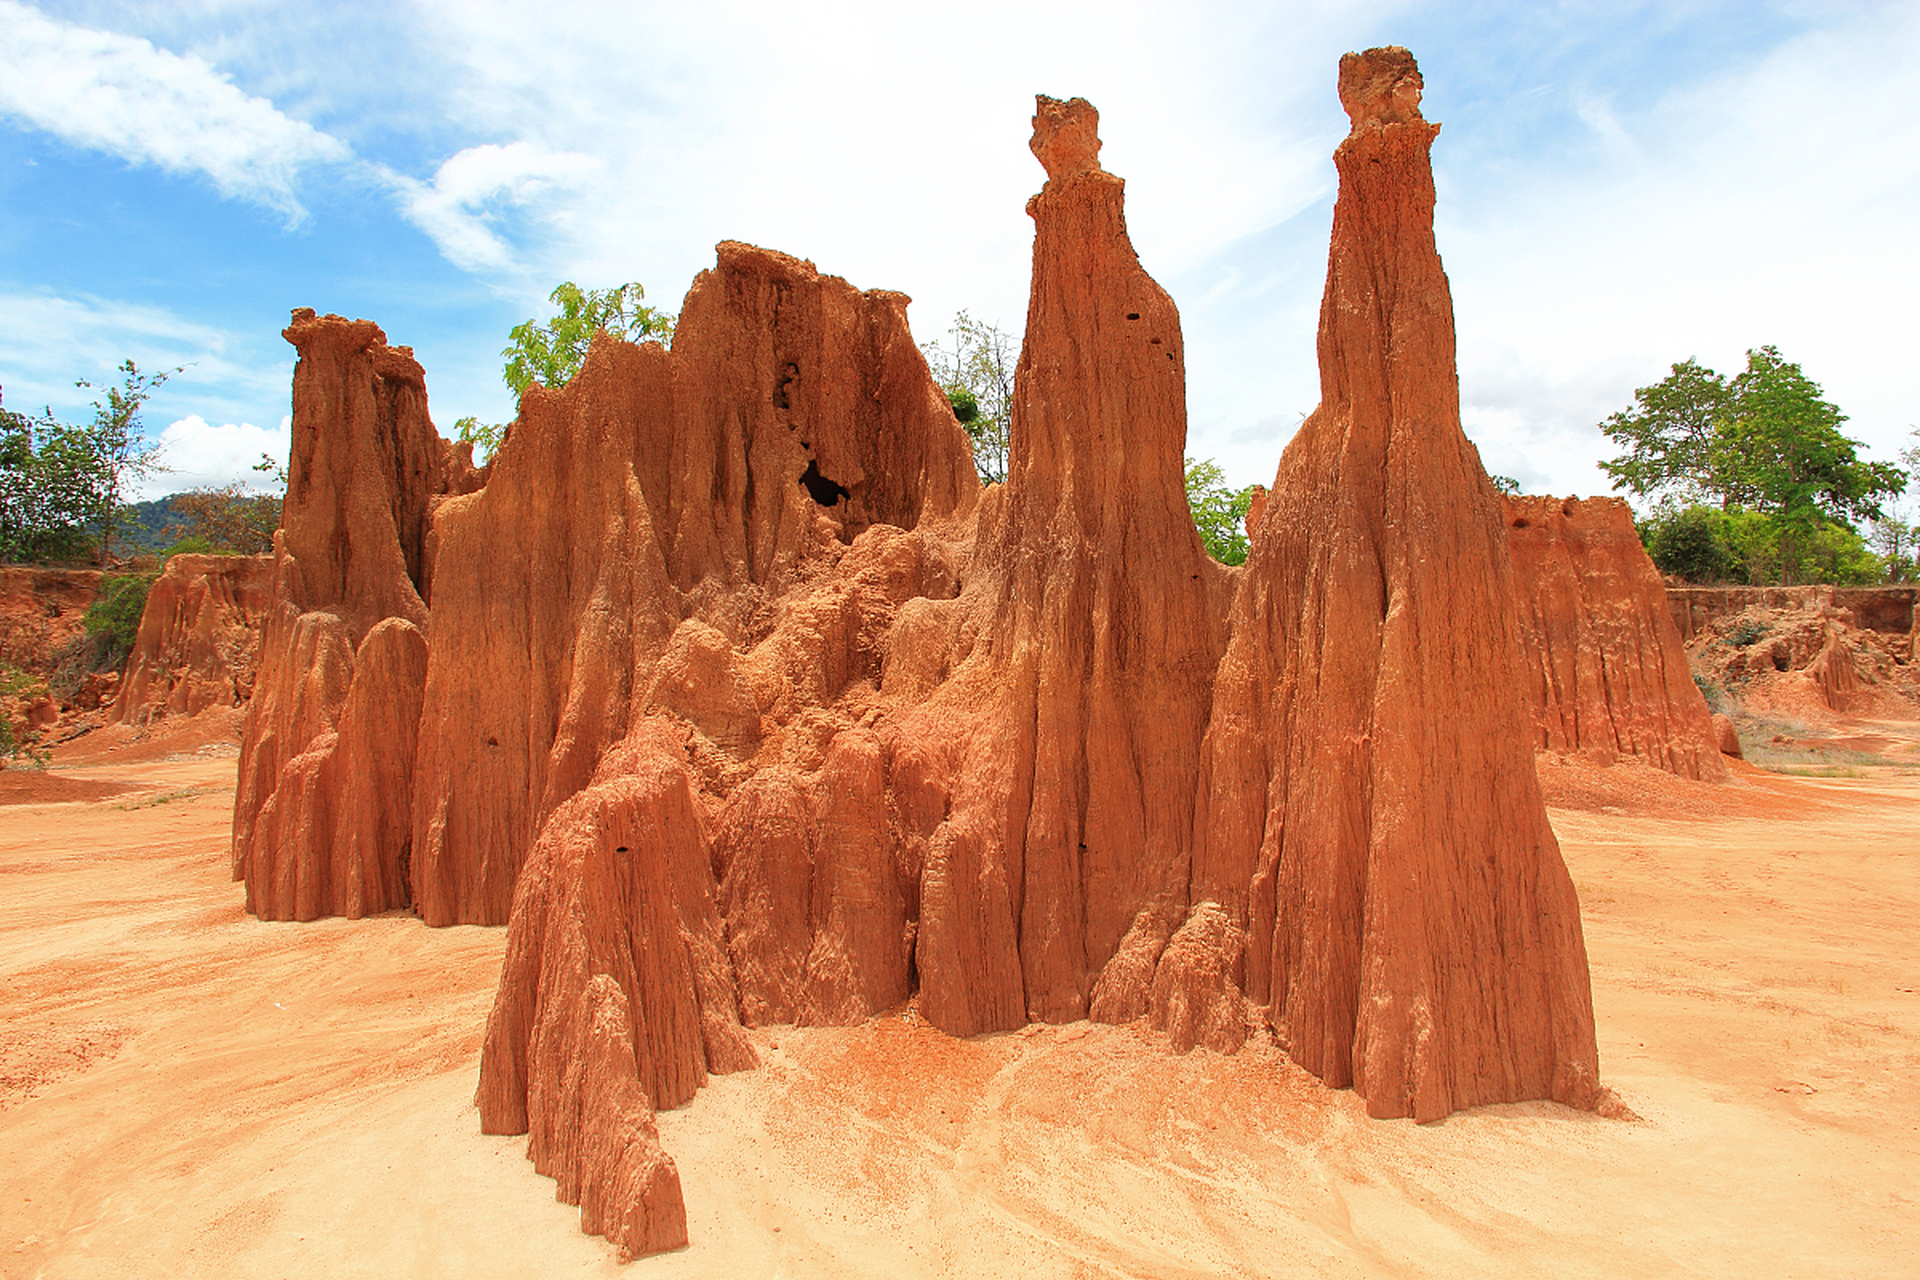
pixel 1100 626
pixel 1413 930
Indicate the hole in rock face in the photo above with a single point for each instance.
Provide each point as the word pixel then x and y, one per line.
pixel 824 491
pixel 1566 509
pixel 492 741
pixel 1133 315
pixel 1521 523
pixel 620 849
pixel 1155 341
pixel 788 372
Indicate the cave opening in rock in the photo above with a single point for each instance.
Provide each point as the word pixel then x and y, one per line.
pixel 824 491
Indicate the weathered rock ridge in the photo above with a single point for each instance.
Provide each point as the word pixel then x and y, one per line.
pixel 1602 662
pixel 322 811
pixel 199 638
pixel 744 704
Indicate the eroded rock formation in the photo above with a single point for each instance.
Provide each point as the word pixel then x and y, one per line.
pixel 1373 812
pixel 745 704
pixel 1603 666
pixel 323 806
pixel 1814 651
pixel 199 638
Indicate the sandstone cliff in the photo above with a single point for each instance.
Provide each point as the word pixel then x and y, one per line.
pixel 1602 662
pixel 199 638
pixel 321 813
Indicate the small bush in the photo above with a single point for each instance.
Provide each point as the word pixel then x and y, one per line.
pixel 1745 632
pixel 966 405
pixel 113 621
pixel 1716 696
pixel 193 545
pixel 1690 544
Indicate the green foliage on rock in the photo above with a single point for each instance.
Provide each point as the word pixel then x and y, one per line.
pixel 551 353
pixel 1219 512
pixel 113 620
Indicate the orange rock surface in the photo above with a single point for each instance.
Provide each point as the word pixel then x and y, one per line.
pixel 1373 814
pixel 323 808
pixel 745 704
pixel 1602 662
pixel 199 638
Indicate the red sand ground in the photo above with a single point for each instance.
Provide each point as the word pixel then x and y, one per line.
pixel 187 1091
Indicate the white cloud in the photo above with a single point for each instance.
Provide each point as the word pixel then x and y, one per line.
pixel 459 207
pixel 121 95
pixel 887 142
pixel 47 341
pixel 1771 202
pixel 199 455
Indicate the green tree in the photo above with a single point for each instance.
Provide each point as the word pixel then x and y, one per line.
pixel 1219 512
pixel 1779 450
pixel 1766 442
pixel 1896 534
pixel 49 480
pixel 974 365
pixel 120 448
pixel 1689 543
pixel 1669 435
pixel 62 487
pixel 551 353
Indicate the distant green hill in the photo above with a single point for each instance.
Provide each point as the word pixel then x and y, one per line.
pixel 147 524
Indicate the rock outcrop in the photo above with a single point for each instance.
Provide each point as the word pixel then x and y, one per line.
pixel 1602 662
pixel 323 807
pixel 1812 651
pixel 42 615
pixel 42 611
pixel 745 704
pixel 1373 812
pixel 199 638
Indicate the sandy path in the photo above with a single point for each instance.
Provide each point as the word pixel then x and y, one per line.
pixel 190 1092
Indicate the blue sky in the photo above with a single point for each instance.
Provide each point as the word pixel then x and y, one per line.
pixel 1621 186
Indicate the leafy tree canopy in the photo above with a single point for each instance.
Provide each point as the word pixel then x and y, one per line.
pixel 1219 512
pixel 974 365
pixel 62 486
pixel 552 353
pixel 1763 441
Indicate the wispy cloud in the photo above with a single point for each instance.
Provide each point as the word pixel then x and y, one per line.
pixel 47 341
pixel 460 208
pixel 121 95
pixel 1764 201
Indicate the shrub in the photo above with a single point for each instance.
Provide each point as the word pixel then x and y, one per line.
pixel 1745 632
pixel 1689 543
pixel 113 621
pixel 1716 696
